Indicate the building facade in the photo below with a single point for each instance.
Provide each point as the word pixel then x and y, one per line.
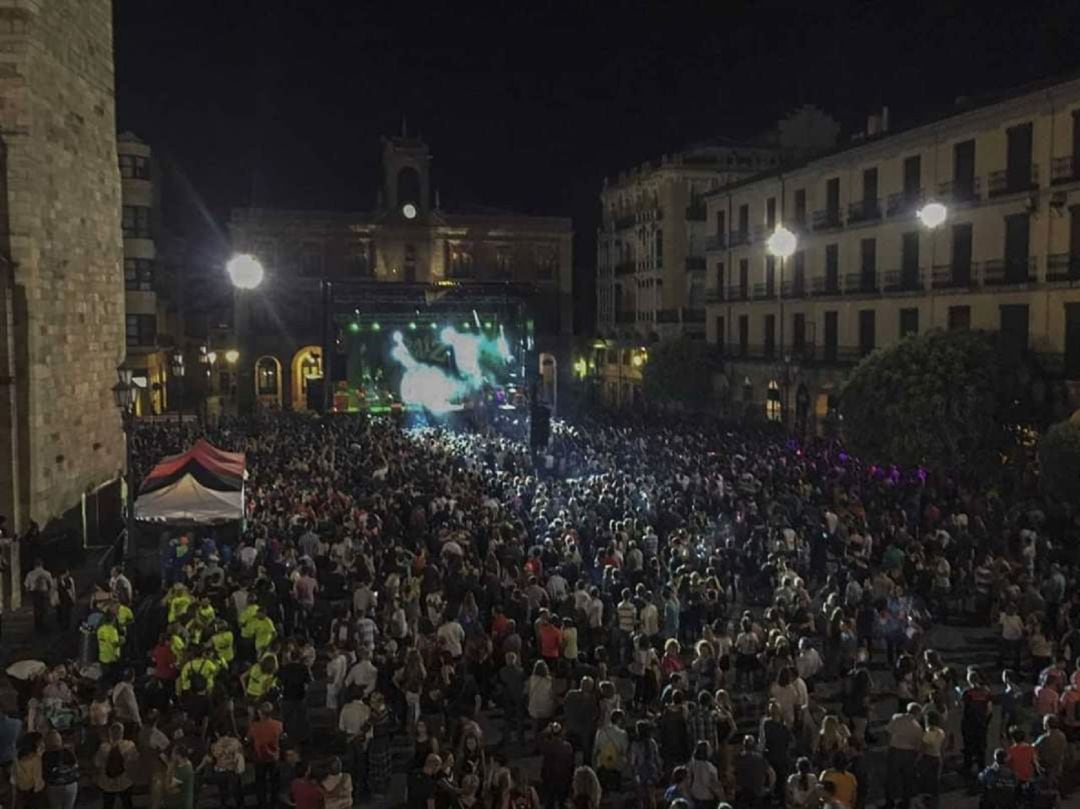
pixel 150 319
pixel 61 280
pixel 409 240
pixel 867 271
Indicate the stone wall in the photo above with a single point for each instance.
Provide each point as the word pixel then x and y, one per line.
pixel 59 430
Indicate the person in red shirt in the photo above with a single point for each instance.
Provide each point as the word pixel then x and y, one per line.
pixel 1021 755
pixel 164 661
pixel 549 640
pixel 304 792
pixel 264 735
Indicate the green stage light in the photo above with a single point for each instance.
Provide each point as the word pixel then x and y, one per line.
pixel 375 326
pixel 488 324
pixel 465 326
pixel 412 326
pixel 434 326
pixel 354 327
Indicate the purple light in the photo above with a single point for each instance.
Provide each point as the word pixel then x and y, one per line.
pixel 843 457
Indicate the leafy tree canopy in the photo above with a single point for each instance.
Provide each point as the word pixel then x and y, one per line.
pixel 680 371
pixel 1059 461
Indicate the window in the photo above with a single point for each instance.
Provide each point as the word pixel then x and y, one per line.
pixel 867 330
pixel 267 376
pixel 832 269
pixel 912 176
pixel 964 169
pixel 909 261
pixel 868 265
pixel 410 263
pixel 798 332
pixel 1014 328
pixel 800 206
pixel 311 258
pixel 869 188
pixel 744 277
pixel 770 336
pixel 720 276
pixel 139 274
pixel 135 222
pixel 744 335
pixel 909 322
pixel 357 263
pixel 720 334
pixel 658 243
pixel 134 167
pixel 773 405
pixel 721 226
pixel 832 200
pixel 744 220
pixel 832 335
pixel 770 276
pixel 961 254
pixel 798 281
pixel 959 318
pixel 141 330
pixel 770 213
pixel 461 261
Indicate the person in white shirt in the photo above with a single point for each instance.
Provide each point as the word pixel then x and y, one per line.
pixel 453 638
pixel 354 716
pixel 809 663
pixel 557 588
pixel 125 705
pixel 336 669
pixel 363 674
pixel 650 618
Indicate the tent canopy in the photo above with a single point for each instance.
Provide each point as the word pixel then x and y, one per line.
pixel 203 485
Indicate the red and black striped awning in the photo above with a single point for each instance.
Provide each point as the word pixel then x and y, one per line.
pixel 211 467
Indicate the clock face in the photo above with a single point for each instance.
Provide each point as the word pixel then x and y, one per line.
pixel 409 210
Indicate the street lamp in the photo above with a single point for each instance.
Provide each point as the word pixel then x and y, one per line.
pixel 782 244
pixel 932 215
pixel 176 371
pixel 124 392
pixel 231 356
pixel 245 271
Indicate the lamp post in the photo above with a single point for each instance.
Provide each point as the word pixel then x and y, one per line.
pixel 782 244
pixel 932 215
pixel 245 274
pixel 124 392
pixel 176 371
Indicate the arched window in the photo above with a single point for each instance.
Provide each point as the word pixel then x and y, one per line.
pixel 772 402
pixel 408 186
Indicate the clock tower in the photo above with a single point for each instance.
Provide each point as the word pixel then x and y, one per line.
pixel 406 172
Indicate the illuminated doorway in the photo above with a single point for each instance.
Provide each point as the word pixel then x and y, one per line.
pixel 268 382
pixel 307 367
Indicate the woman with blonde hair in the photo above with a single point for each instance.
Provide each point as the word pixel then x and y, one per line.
pixel 540 691
pixel 833 738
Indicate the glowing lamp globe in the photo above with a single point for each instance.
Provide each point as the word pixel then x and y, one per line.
pixel 408 210
pixel 932 214
pixel 231 356
pixel 245 271
pixel 782 243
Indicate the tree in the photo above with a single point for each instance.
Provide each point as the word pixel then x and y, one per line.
pixel 680 371
pixel 944 399
pixel 1059 461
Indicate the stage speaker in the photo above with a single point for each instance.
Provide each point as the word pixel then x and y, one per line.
pixel 315 395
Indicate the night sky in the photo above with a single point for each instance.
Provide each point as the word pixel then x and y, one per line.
pixel 527 106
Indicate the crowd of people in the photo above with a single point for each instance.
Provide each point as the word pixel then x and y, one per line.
pixel 667 614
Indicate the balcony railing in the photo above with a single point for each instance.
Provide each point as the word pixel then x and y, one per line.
pixel 961 192
pixel 624 268
pixel 865 210
pixel 904 203
pixel 737 293
pixel 695 263
pixel 827 219
pixel 806 354
pixel 1062 268
pixel 823 285
pixel 696 213
pixel 795 288
pixel 717 242
pixel 693 315
pixel 715 296
pixel 1008 272
pixel 1064 170
pixel 910 280
pixel 954 276
pixel 763 291
pixel 1012 181
pixel 738 237
pixel 861 283
pixel 667 316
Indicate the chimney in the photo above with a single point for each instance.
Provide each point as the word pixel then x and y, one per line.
pixel 873 125
pixel 884 120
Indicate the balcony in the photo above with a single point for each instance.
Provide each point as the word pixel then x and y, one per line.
pixel 624 268
pixel 695 263
pixel 1012 181
pixel 1064 170
pixel 910 280
pixel 904 203
pixel 737 293
pixel 696 212
pixel 861 283
pixel 825 286
pixel 693 315
pixel 953 276
pixel 865 210
pixel 1062 268
pixel 806 354
pixel 715 296
pixel 626 318
pixel 623 221
pixel 961 191
pixel 1008 272
pixel 763 291
pixel 795 288
pixel 828 219
pixel 667 316
pixel 718 242
pixel 738 237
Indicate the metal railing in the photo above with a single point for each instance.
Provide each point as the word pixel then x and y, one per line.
pixel 764 290
pixel 717 242
pixel 1062 268
pixel 909 280
pixel 738 237
pixel 1009 272
pixel 806 354
pixel 904 203
pixel 823 285
pixel 715 296
pixel 795 288
pixel 861 283
pixel 827 219
pixel 865 210
pixel 954 276
pixel 961 191
pixel 738 292
pixel 1064 170
pixel 1012 181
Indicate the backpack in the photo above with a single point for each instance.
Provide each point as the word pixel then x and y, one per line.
pixel 607 757
pixel 115 766
pixel 197 681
